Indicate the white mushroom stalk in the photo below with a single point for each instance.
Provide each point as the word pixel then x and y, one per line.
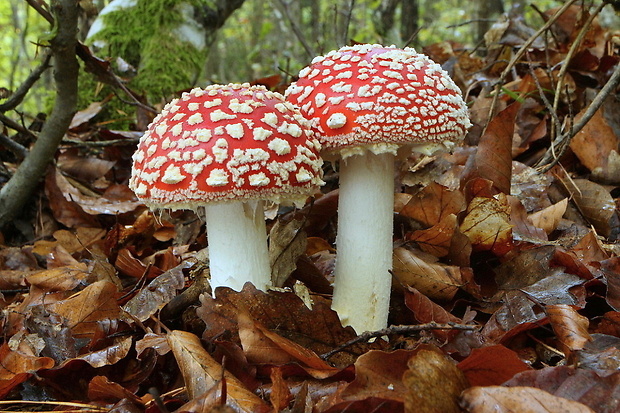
pixel 364 260
pixel 227 148
pixel 238 251
pixel 366 101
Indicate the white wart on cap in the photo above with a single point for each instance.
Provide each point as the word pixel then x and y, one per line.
pixel 226 142
pixel 377 98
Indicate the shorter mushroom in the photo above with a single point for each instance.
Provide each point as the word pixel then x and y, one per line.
pixel 368 102
pixel 227 148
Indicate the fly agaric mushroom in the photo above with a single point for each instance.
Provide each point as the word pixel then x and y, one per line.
pixel 366 103
pixel 227 148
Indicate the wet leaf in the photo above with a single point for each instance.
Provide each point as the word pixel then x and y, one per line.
pixel 522 399
pixel 15 368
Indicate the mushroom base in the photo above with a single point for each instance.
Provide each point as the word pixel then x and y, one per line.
pixel 364 243
pixel 238 250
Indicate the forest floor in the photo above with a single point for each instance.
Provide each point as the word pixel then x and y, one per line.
pixel 506 293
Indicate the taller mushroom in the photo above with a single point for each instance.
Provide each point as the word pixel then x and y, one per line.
pixel 367 102
pixel 227 148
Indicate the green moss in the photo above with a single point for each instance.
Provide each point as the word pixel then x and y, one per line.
pixel 144 36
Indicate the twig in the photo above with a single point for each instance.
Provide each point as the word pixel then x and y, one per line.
pixel 23 89
pixel 549 159
pixel 40 8
pixel 406 329
pixel 99 144
pixel 18 150
pixel 569 55
pixel 309 49
pixel 520 54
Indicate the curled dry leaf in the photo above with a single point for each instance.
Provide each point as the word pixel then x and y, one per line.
pixel 496 399
pixel 109 355
pixel 424 394
pixel 158 293
pixel 422 272
pixel 287 242
pixel 15 368
pixel 570 327
pixel 549 218
pixel 202 373
pixel 487 224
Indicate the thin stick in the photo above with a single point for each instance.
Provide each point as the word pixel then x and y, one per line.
pixel 309 50
pixel 563 140
pixel 406 329
pixel 520 54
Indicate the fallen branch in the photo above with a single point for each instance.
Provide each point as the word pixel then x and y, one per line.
pixel 407 329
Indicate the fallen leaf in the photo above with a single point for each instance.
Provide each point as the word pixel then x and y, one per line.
pixel 287 242
pixel 426 311
pixel 433 203
pixel 433 382
pixel 491 366
pixel 495 399
pixel 437 239
pixel 487 224
pixel 15 368
pixel 202 373
pixel 600 392
pixel 570 327
pixel 158 293
pixel 549 218
pixel 422 272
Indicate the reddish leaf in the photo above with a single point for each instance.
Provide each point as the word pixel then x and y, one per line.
pixel 437 239
pixel 16 367
pixel 493 159
pixel 489 366
pixel 426 311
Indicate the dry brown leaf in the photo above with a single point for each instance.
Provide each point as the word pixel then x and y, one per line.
pixel 158 342
pixel 593 143
pixel 158 293
pixel 59 279
pixel 15 368
pixel 549 218
pixel 432 204
pixel 262 346
pixel 422 272
pixel 287 242
pixel 102 389
pixel 202 373
pixel 91 310
pixel 433 382
pixel 595 203
pixel 110 355
pixel 496 399
pixel 487 223
pixel 570 327
pixel 426 311
pixel 437 239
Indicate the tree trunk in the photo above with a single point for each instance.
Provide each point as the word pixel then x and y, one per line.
pixel 486 12
pixel 409 16
pixel 16 193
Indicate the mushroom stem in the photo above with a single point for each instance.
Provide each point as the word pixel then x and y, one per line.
pixel 237 245
pixel 364 242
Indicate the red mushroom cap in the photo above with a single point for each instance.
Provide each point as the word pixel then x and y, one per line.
pixel 226 142
pixel 373 97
